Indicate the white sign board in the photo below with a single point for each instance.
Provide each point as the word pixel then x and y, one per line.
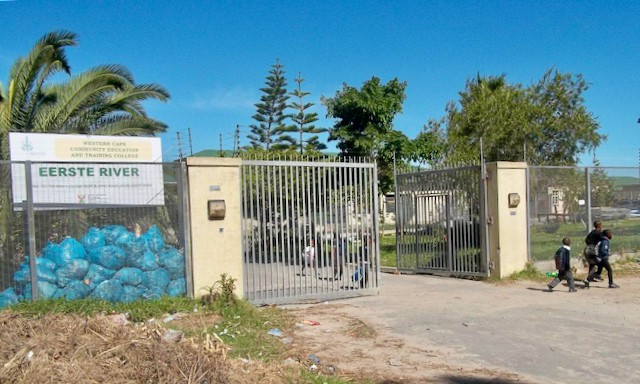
pixel 81 169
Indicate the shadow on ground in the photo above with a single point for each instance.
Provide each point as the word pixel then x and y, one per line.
pixel 477 380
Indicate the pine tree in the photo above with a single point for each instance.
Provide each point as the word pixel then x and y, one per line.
pixel 303 122
pixel 268 133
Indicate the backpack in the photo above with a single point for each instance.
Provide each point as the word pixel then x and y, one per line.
pixel 591 253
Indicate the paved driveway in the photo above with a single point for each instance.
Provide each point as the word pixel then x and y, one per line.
pixel 592 336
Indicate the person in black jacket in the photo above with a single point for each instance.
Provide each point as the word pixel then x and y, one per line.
pixel 592 239
pixel 563 264
pixel 604 250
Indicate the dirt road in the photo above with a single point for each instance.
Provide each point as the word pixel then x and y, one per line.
pixel 432 329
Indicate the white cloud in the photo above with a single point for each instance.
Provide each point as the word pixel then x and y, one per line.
pixel 226 99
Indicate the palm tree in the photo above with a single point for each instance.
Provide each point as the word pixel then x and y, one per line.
pixel 103 100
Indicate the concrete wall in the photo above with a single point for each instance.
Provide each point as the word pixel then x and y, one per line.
pixel 508 228
pixel 216 245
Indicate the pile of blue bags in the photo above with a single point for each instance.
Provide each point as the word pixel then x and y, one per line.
pixel 108 263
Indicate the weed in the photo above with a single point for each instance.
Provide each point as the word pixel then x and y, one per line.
pixel 222 291
pixel 528 273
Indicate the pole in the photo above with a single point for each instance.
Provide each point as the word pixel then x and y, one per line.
pixel 588 185
pixel 179 146
pixel 236 141
pixel 32 231
pixel 190 142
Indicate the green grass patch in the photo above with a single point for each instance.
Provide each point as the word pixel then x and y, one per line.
pixel 547 237
pixel 528 273
pixel 138 310
pixel 388 250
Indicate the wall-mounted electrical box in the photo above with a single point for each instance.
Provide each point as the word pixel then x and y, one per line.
pixel 216 209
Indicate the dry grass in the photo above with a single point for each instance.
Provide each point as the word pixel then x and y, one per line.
pixel 73 349
pixel 360 330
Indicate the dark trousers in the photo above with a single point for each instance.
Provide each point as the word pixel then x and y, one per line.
pixel 562 275
pixel 604 263
pixel 599 271
pixel 338 265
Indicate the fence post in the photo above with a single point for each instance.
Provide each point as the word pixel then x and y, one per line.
pixel 588 191
pixel 31 227
pixel 184 230
pixel 528 198
pixel 484 216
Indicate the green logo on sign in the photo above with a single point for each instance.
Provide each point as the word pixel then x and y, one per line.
pixel 26 146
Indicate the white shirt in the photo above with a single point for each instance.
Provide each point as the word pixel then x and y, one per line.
pixel 310 252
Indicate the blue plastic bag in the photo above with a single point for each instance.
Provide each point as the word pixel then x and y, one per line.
pixel 51 251
pixel 157 279
pixel 8 297
pixel 94 238
pixel 42 262
pixel 109 256
pixel 124 238
pixel 108 290
pixel 177 287
pixel 96 275
pixel 129 276
pixel 76 269
pixel 131 293
pixel 153 293
pixel 74 291
pixel 146 261
pixel 23 275
pixel 70 249
pixel 112 233
pixel 45 290
pixel 134 247
pixel 172 261
pixel 154 239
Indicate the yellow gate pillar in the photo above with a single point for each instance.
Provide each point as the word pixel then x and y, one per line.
pixel 507 215
pixel 215 221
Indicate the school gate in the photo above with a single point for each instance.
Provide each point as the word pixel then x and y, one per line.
pixel 288 204
pixel 441 222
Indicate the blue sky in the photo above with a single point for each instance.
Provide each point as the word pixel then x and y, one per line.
pixel 213 56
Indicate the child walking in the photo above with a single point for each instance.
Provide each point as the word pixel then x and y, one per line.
pixel 563 264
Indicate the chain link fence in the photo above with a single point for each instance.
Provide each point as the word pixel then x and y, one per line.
pixel 565 201
pixel 111 231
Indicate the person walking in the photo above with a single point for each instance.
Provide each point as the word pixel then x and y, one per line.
pixel 563 265
pixel 592 239
pixel 603 252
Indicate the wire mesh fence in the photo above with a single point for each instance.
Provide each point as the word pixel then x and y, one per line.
pixel 565 201
pixel 111 231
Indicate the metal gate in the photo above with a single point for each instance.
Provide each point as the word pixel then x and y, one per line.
pixel 292 207
pixel 440 222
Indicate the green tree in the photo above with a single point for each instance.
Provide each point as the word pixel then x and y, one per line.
pixel 563 128
pixel 364 125
pixel 103 100
pixel 270 130
pixel 601 186
pixel 547 120
pixel 429 147
pixel 303 122
pixel 491 110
